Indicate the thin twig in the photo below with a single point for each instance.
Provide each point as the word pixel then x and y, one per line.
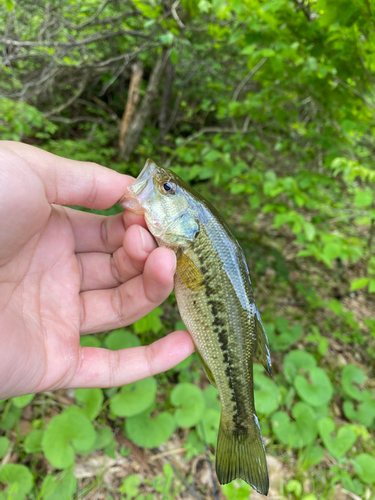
pixel 175 15
pixel 247 78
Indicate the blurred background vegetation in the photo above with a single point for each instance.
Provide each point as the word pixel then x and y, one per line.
pixel 267 108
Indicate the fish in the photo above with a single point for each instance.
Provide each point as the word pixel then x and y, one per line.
pixel 216 303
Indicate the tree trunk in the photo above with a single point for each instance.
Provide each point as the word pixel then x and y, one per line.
pixel 131 105
pixel 136 126
pixel 166 99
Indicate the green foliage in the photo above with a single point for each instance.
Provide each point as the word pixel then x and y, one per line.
pixel 22 401
pixel 60 487
pixel 150 432
pixel 18 480
pixel 135 398
pixel 4 445
pixel 298 433
pixel 66 434
pixel 272 120
pixel 91 401
pixel 337 446
pixel 190 402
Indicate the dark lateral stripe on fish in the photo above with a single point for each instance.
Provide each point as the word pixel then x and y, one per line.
pixel 218 307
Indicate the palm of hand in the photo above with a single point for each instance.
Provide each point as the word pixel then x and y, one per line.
pixel 64 272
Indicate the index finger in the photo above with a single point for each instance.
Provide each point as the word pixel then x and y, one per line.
pixel 72 182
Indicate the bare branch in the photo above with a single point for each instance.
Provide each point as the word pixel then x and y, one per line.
pixel 70 101
pixel 247 78
pixel 175 15
pixel 73 43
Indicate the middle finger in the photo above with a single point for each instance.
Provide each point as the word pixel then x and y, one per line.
pixel 103 270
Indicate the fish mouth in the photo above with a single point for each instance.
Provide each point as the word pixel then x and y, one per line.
pixel 140 190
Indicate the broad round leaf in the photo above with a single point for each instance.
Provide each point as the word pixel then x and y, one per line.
pixel 337 446
pixel 61 487
pixel 91 400
pixel 150 432
pixel 4 445
pixel 317 390
pixel 365 414
pixel 211 397
pixel 33 441
pixel 22 401
pixel 67 433
pixel 352 377
pixel 191 404
pixel 135 398
pixel 266 393
pixel 208 428
pixel 104 438
pixel 121 339
pixel 19 480
pixel 364 465
pixel 299 433
pixel 297 361
pixel 313 456
pixel 89 341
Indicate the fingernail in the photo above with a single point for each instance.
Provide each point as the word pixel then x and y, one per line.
pixel 140 229
pixel 173 266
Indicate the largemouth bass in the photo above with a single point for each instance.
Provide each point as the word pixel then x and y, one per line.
pixel 216 303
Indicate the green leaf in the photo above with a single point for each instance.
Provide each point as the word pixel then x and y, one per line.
pixel 174 56
pixel 365 414
pixel 90 400
pixel 130 485
pixel 60 487
pixel 19 480
pixel 211 397
pixel 337 446
pixel 67 433
pixel 313 456
pixel 9 5
pixel 266 392
pixel 371 286
pixel 4 445
pixel 121 339
pixel 151 322
pixel 135 398
pixel 208 428
pixel 150 432
pixel 33 441
pixel 363 198
pixel 190 400
pixel 104 438
pixel 299 433
pixel 364 465
pixel 352 377
pixel 296 362
pixel 359 283
pixel 317 389
pixel 283 336
pixel 22 401
pixel 89 341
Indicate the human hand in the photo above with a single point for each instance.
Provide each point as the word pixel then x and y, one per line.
pixel 65 272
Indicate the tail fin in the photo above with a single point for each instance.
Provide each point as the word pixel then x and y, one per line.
pixel 242 456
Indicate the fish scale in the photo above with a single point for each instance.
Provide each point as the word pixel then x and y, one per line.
pixel 216 302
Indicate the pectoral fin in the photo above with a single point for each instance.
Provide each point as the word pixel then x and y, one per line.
pixel 263 350
pixel 188 271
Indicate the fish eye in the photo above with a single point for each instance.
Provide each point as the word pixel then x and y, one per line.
pixel 169 187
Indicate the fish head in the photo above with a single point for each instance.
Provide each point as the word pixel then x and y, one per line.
pixel 161 196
